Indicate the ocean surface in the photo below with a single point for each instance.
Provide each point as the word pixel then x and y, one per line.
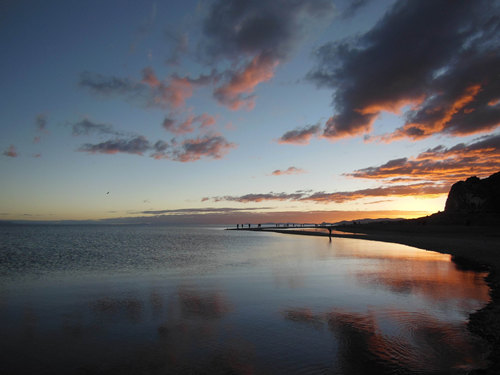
pixel 201 300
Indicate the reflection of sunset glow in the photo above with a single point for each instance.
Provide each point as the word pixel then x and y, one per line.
pixel 379 250
pixel 361 336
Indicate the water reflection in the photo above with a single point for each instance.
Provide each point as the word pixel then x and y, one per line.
pixel 234 302
pixel 395 341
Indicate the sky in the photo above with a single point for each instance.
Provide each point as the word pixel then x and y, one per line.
pixel 236 111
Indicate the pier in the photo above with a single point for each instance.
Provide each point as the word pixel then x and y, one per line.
pixel 286 228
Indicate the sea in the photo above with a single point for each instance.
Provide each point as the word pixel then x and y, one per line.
pixel 157 299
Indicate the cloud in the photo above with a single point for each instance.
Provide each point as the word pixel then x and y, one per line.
pixel 259 197
pixel 236 93
pixel 137 145
pixel 441 164
pixel 180 43
pixel 420 190
pixel 187 126
pixel 88 127
pixel 204 210
pixel 150 91
pixel 300 136
pixel 214 146
pixel 288 171
pixel 11 152
pixel 41 122
pixel 353 7
pixel 255 36
pixel 438 61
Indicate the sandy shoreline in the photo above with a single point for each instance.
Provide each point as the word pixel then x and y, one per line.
pixel 475 248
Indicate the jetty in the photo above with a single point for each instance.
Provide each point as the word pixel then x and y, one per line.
pixel 290 228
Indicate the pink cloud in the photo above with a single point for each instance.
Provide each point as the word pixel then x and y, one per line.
pixel 288 171
pixel 149 77
pixel 11 152
pixel 237 93
pixel 187 126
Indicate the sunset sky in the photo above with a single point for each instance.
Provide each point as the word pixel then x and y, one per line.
pixel 231 111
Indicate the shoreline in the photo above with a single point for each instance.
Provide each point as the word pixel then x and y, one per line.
pixel 471 248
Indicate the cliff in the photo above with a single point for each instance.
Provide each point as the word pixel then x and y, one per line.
pixel 474 196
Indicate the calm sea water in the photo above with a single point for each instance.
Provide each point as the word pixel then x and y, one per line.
pixel 184 300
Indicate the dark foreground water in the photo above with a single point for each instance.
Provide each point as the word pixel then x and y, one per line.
pixel 187 300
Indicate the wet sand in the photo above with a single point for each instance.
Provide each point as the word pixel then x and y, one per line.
pixel 471 247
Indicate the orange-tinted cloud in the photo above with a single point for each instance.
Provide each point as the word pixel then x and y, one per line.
pixel 420 190
pixel 441 164
pixel 419 58
pixel 288 171
pixel 237 93
pixel 11 152
pixel 438 118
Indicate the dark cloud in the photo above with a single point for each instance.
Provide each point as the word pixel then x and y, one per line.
pixel 300 136
pixel 214 146
pixel 352 7
pixel 209 146
pixel 441 58
pixel 104 85
pixel 88 127
pixel 137 145
pixel 441 164
pixel 255 35
pixel 259 27
pixel 11 152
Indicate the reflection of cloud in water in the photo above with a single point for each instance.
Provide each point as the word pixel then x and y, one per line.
pixel 203 305
pixel 440 282
pixel 394 341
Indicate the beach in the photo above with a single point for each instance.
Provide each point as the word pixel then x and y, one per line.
pixel 471 247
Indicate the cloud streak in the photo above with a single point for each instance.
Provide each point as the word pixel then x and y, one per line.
pixel 420 190
pixel 437 61
pixel 137 146
pixel 212 146
pixel 300 136
pixel 288 171
pixel 88 127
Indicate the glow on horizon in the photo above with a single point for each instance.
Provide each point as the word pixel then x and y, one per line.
pixel 185 107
